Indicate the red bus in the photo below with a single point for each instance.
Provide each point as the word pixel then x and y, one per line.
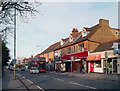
pixel 40 63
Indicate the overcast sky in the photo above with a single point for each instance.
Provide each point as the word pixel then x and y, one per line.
pixel 56 21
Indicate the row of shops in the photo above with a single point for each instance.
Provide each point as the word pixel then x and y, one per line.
pixel 88 63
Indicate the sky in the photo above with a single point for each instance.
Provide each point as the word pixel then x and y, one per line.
pixel 56 20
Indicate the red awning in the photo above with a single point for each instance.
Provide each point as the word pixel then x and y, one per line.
pixel 94 57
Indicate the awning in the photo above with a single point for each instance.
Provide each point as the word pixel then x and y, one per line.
pixel 93 57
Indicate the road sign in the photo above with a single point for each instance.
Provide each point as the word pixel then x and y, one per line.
pixel 14 61
pixel 106 56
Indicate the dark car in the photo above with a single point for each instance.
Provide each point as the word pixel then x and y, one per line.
pixel 22 69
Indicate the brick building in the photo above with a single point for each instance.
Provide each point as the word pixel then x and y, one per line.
pixel 79 45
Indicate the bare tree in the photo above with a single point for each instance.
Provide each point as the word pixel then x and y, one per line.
pixel 24 10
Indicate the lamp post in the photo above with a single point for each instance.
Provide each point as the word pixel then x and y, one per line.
pixel 72 58
pixel 14 36
pixel 106 58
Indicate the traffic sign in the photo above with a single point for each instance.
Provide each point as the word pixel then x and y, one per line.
pixel 14 61
pixel 106 55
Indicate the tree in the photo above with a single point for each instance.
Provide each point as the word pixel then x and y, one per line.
pixel 5 54
pixel 24 10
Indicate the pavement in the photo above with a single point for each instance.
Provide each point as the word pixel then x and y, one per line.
pixel 19 83
pixel 95 76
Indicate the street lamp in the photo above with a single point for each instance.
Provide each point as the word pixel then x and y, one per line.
pixel 14 36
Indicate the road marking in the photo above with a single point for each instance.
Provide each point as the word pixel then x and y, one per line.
pixel 40 88
pixel 30 81
pixel 82 85
pixel 57 79
pixel 44 76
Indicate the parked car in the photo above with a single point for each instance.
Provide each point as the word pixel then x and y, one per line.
pixel 22 69
pixel 10 68
pixel 34 70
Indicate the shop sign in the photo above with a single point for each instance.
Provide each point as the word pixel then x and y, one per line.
pixel 110 54
pixel 94 57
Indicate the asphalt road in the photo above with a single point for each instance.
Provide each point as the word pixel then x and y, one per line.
pixel 57 81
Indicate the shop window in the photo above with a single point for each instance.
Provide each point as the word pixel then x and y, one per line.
pixel 97 64
pixel 68 50
pixel 80 47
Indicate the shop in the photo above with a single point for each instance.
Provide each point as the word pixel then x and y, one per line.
pixel 97 62
pixel 58 66
pixel 110 64
pixel 75 62
pixel 94 63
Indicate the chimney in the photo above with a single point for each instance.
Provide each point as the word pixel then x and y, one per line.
pixel 75 30
pixel 103 22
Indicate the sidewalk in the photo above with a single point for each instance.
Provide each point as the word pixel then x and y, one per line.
pixel 20 83
pixel 8 81
pixel 95 76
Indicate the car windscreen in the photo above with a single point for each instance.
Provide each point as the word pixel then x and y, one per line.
pixel 34 68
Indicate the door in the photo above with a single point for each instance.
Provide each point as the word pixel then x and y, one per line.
pixel 114 65
pixel 91 66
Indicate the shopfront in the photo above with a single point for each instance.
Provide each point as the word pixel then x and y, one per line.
pixel 97 62
pixel 94 63
pixel 75 62
pixel 111 62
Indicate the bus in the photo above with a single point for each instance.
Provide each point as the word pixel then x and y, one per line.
pixel 40 63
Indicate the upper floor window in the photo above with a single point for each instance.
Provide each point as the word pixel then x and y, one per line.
pixel 84 33
pixel 61 42
pixel 68 50
pixel 80 47
pixel 116 33
pixel 73 49
pixel 71 39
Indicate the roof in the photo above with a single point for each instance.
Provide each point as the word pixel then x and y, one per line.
pixel 106 46
pixel 74 37
pixel 115 29
pixel 92 31
pixel 51 48
pixel 65 40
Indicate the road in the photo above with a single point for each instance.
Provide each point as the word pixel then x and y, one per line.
pixel 57 81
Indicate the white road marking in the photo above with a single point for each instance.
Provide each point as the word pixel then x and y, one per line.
pixel 44 76
pixel 57 79
pixel 82 85
pixel 30 81
pixel 40 88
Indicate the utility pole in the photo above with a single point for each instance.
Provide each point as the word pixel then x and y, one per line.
pixel 72 58
pixel 14 37
pixel 106 58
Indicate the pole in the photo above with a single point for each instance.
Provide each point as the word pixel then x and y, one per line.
pixel 14 37
pixel 106 57
pixel 106 66
pixel 71 64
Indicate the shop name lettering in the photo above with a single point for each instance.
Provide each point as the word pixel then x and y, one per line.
pixel 91 58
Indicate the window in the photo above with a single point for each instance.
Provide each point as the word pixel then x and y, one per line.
pixel 116 33
pixel 68 50
pixel 73 49
pixel 80 47
pixel 70 39
pixel 97 64
pixel 84 33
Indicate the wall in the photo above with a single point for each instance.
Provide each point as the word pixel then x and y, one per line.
pixel 103 34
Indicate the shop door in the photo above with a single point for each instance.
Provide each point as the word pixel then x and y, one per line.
pixel 91 66
pixel 114 65
pixel 78 67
